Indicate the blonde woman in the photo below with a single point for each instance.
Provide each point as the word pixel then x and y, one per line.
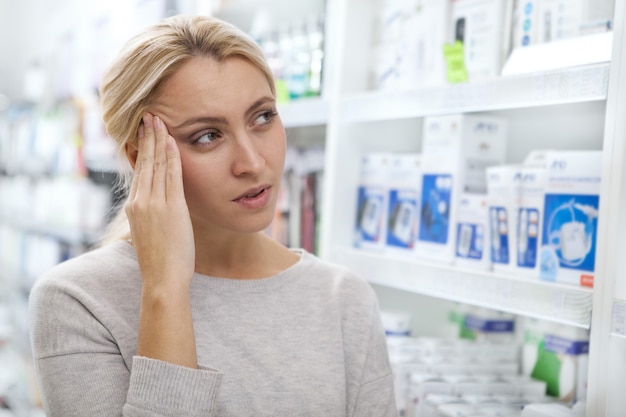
pixel 190 309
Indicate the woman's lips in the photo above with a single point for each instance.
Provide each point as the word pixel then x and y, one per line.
pixel 255 198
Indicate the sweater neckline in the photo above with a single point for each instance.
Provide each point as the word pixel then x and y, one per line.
pixel 258 283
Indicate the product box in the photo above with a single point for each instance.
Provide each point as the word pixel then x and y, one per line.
pixel 539 21
pixel 427 32
pixel 456 150
pixel 371 215
pixel 570 219
pixel 402 213
pixel 472 235
pixel 390 46
pixel 526 23
pixel 530 216
pixel 503 191
pixel 558 355
pixel 489 325
pixel 407 43
pixel 562 19
pixel 484 27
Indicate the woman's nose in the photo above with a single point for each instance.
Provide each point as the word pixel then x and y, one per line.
pixel 247 160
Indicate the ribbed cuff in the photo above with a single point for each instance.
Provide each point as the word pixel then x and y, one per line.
pixel 172 390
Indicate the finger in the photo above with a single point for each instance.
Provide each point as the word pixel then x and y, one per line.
pixel 133 184
pixel 160 158
pixel 145 159
pixel 174 185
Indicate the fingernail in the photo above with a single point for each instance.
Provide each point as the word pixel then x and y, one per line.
pixel 157 122
pixel 141 131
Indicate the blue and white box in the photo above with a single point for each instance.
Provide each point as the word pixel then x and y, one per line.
pixel 503 190
pixel 370 225
pixel 570 221
pixel 456 151
pixel 404 192
pixel 529 219
pixel 472 236
pixel 489 325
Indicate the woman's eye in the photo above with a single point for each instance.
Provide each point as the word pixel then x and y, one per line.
pixel 205 138
pixel 265 118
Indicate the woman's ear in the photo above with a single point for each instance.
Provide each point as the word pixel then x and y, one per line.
pixel 131 153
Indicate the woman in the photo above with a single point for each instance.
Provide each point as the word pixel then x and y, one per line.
pixel 191 309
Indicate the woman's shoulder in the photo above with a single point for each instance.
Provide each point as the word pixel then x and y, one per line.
pixel 341 278
pixel 103 266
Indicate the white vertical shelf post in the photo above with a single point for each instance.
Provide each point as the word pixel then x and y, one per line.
pixel 602 398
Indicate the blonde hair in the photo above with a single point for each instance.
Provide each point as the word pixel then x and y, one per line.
pixel 148 59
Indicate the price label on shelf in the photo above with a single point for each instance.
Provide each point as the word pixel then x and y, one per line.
pixel 619 318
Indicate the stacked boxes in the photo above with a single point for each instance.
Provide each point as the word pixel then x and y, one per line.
pixel 457 202
pixel 456 150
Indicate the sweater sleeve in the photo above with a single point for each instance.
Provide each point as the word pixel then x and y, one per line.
pixel 375 397
pixel 369 374
pixel 81 371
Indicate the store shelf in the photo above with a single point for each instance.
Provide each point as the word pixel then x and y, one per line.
pixel 570 85
pixel 72 235
pixel 304 112
pixel 549 301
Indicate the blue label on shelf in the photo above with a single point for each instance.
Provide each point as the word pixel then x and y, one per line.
pixel 489 325
pixel 562 345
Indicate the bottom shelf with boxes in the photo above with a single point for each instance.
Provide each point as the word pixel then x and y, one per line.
pixel 489 364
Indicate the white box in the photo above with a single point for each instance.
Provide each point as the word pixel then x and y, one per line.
pixel 456 150
pixel 526 23
pixel 539 21
pixel 472 235
pixel 503 190
pixel 483 26
pixel 408 43
pixel 483 324
pixel 427 32
pixel 529 219
pixel 571 204
pixel 370 226
pixel 404 176
pixel 562 359
pixel 390 44
pixel 562 19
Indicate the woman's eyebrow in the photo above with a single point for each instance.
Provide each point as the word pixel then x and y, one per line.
pixel 222 120
pixel 260 102
pixel 200 119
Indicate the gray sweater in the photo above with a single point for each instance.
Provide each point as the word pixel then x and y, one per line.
pixel 305 342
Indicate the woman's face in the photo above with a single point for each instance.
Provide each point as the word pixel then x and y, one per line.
pixel 231 140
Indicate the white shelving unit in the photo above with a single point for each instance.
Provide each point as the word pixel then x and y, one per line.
pixel 304 112
pixel 548 301
pixel 580 107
